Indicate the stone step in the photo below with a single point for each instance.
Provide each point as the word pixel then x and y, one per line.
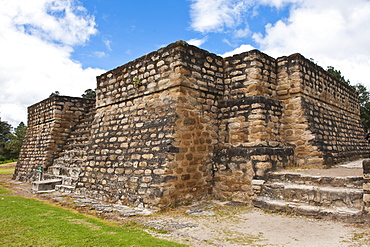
pixel 328 181
pixel 65 188
pixel 337 213
pixel 45 185
pixel 314 195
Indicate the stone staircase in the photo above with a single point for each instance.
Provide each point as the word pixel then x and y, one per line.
pixel 333 196
pixel 67 166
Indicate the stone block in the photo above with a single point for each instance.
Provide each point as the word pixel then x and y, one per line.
pixel 366 166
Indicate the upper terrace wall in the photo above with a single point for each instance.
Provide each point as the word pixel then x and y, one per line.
pixel 297 74
pixel 248 75
pixel 321 115
pixel 49 125
pixel 250 117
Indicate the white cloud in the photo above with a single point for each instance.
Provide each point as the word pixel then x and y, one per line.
pixel 58 20
pixel 216 15
pixel 36 39
pixel 108 43
pixel 100 54
pixel 277 3
pixel 240 49
pixel 333 32
pixel 197 42
pixel 242 33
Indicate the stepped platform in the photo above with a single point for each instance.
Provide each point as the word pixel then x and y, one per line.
pixel 335 193
pixel 45 185
pixel 67 166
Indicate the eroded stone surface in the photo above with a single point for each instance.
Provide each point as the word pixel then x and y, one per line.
pixel 181 124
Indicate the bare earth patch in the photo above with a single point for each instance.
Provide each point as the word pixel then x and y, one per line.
pixel 248 226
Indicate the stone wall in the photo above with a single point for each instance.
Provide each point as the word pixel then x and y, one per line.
pixel 320 116
pixel 155 129
pixel 49 124
pixel 250 117
pixel 181 123
pixel 366 185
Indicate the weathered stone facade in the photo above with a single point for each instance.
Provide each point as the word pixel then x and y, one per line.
pixel 366 185
pixel 50 125
pixel 181 123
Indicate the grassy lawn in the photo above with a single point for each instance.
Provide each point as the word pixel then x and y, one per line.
pixel 29 222
pixel 6 170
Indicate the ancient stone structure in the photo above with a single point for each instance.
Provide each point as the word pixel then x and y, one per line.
pixel 182 123
pixel 366 185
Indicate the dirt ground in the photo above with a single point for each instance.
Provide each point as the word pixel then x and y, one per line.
pixel 232 224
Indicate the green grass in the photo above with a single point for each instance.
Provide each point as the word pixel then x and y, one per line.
pixel 28 222
pixel 6 170
pixel 3 191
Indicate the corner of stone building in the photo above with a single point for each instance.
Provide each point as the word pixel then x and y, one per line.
pixel 318 110
pixel 49 125
pixel 195 129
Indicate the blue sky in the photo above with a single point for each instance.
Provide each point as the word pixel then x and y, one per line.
pixel 62 45
pixel 130 29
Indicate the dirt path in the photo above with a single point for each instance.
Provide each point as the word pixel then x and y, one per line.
pixel 247 226
pixel 230 224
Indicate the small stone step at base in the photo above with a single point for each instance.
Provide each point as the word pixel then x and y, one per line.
pixel 314 195
pixel 316 180
pixel 336 213
pixel 257 186
pixel 45 185
pixel 65 188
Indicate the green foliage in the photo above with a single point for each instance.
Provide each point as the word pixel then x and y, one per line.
pixel 5 130
pixel 137 83
pixel 337 74
pixel 181 43
pixel 56 93
pixel 363 96
pixel 4 191
pixel 5 162
pixel 28 222
pixel 6 170
pixel 11 142
pixel 364 100
pixel 89 94
pixel 15 142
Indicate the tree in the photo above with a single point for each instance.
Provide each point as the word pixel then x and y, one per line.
pixel 5 130
pixel 364 100
pixel 363 94
pixel 89 94
pixel 15 142
pixel 331 70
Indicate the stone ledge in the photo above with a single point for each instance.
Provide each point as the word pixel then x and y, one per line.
pixel 45 185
